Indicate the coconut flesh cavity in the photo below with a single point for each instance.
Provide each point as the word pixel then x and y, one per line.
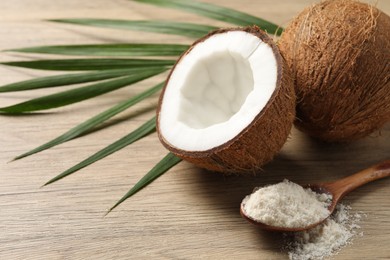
pixel 228 103
pixel 206 108
pixel 339 55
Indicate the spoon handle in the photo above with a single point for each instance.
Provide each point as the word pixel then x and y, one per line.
pixel 342 187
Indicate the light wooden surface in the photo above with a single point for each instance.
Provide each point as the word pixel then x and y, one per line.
pixel 186 214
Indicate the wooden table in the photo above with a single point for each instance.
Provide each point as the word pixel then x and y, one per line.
pixel 186 214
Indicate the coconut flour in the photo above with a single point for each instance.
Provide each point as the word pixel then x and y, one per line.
pixel 287 204
pixel 326 239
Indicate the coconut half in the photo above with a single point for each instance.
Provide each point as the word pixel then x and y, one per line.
pixel 228 104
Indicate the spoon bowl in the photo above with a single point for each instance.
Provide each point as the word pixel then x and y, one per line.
pixel 338 189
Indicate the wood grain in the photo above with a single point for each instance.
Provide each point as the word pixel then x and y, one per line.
pixel 186 214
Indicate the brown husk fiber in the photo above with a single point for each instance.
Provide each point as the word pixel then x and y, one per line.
pixel 258 143
pixel 339 55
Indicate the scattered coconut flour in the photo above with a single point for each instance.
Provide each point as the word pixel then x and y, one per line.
pixel 287 204
pixel 326 239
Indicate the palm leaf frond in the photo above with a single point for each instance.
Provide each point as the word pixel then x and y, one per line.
pixel 166 27
pixel 79 94
pixel 117 73
pixel 66 79
pixel 93 122
pixel 137 134
pixel 159 169
pixel 217 12
pixel 89 64
pixel 129 49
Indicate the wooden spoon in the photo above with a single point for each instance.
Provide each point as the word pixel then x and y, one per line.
pixel 338 189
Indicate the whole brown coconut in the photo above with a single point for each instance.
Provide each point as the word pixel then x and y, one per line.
pixel 229 103
pixel 339 55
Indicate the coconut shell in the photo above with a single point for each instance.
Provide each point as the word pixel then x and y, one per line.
pixel 260 141
pixel 339 55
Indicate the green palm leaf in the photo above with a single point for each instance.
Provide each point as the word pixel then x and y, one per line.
pixel 164 165
pixel 94 121
pixel 165 27
pixel 125 72
pixel 137 134
pixel 130 49
pixel 79 94
pixel 67 79
pixel 89 64
pixel 218 13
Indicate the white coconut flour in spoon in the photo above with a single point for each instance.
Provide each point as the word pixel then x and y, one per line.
pixel 287 204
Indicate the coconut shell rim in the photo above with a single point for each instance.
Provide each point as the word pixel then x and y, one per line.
pixel 262 35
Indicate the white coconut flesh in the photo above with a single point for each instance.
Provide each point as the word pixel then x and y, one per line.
pixel 217 90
